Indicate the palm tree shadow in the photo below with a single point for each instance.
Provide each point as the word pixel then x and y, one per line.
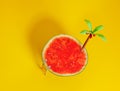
pixel 40 34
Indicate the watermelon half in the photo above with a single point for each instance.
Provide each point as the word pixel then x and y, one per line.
pixel 62 55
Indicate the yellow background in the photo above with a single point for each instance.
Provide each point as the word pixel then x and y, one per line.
pixel 26 25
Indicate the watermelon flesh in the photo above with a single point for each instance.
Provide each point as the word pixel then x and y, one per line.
pixel 63 55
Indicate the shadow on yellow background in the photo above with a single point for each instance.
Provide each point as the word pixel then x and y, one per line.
pixel 41 31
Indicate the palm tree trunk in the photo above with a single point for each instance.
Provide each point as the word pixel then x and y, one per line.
pixel 90 35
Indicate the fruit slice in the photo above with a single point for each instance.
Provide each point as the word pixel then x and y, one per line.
pixel 63 56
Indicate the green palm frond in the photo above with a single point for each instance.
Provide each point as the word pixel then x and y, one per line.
pixel 84 32
pixel 89 24
pixel 98 28
pixel 101 36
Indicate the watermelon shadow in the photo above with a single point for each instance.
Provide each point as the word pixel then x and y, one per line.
pixel 40 33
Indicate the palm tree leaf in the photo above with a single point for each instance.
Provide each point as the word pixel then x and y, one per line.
pixel 98 28
pixel 89 24
pixel 101 36
pixel 83 31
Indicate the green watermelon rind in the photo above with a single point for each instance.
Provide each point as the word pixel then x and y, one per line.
pixel 47 45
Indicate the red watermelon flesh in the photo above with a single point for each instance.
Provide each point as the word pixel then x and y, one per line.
pixel 63 55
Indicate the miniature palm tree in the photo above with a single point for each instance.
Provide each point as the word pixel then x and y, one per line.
pixel 57 64
pixel 92 32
